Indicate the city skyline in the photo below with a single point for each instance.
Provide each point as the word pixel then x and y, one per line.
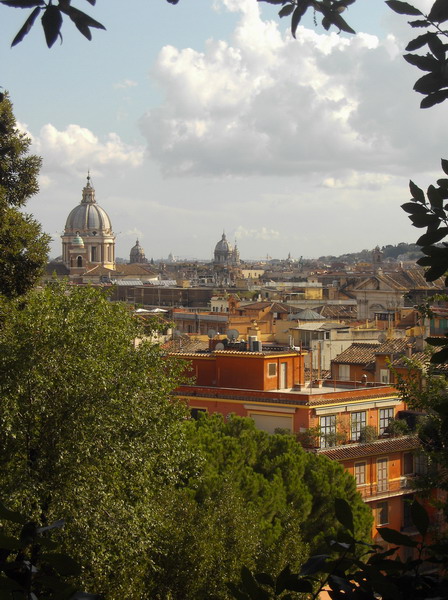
pixel 192 121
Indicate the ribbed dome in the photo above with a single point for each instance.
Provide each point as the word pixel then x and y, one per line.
pixel 88 216
pixel 223 246
pixel 137 254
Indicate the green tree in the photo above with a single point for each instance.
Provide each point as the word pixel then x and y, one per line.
pixel 23 246
pixel 89 432
pixel 279 480
pixel 257 499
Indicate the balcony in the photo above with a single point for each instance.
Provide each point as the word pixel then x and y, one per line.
pixel 384 489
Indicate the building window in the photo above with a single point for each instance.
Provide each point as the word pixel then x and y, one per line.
pixel 194 412
pixel 384 376
pixel 358 422
pixel 360 473
pixel 79 261
pixel 382 474
pixel 421 464
pixel 328 431
pixel 408 463
pixel 382 513
pixel 272 369
pixel 93 253
pixel 386 415
pixel 344 372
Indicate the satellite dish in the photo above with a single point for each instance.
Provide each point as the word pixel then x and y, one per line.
pixel 382 337
pixel 219 346
pixel 211 333
pixel 233 334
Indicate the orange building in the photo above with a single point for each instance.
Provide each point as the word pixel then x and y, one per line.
pixel 330 417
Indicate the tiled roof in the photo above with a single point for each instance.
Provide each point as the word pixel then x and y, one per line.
pixel 385 446
pixel 278 307
pixel 421 358
pixel 364 353
pixel 357 354
pixel 135 269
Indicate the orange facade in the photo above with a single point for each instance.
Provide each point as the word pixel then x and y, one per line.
pixel 269 387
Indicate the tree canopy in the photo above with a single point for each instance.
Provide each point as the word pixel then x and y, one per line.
pixel 89 431
pixel 23 246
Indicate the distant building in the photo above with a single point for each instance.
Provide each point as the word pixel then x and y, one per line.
pixel 88 240
pixel 225 254
pixel 137 254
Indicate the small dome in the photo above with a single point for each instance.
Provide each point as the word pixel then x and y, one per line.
pixel 77 240
pixel 137 254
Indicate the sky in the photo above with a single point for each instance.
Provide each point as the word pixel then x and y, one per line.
pixel 208 116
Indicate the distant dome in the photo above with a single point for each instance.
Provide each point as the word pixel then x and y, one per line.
pixel 223 246
pixel 88 216
pixel 137 254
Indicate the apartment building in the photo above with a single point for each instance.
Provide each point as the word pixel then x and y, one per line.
pixel 347 421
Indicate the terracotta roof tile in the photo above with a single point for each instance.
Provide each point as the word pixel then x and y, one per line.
pixel 357 354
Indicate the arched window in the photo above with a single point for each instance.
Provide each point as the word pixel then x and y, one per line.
pixel 79 261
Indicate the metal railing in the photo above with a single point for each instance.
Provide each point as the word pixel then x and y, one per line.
pixel 386 488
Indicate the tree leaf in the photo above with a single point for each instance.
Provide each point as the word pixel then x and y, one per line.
pixel 420 516
pixel 51 22
pixel 11 515
pixel 395 537
pixel 433 99
pixel 403 8
pixel 64 564
pixel 432 237
pixel 424 63
pixel 436 271
pixel 419 23
pixel 439 357
pixel 251 586
pixel 286 10
pixel 414 208
pixel 429 83
pixel 344 513
pixel 434 197
pixel 445 165
pixel 314 564
pixel 297 15
pixel 436 46
pixel 26 27
pixel 417 42
pixel 23 3
pixel 416 192
pixel 439 11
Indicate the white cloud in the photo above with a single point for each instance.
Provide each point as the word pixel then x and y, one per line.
pixel 77 148
pixel 261 233
pixel 266 104
pixel 125 84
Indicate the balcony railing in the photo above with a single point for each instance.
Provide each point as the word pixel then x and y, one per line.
pixel 386 488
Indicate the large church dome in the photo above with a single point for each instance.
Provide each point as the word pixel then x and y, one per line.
pixel 88 216
pixel 88 240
